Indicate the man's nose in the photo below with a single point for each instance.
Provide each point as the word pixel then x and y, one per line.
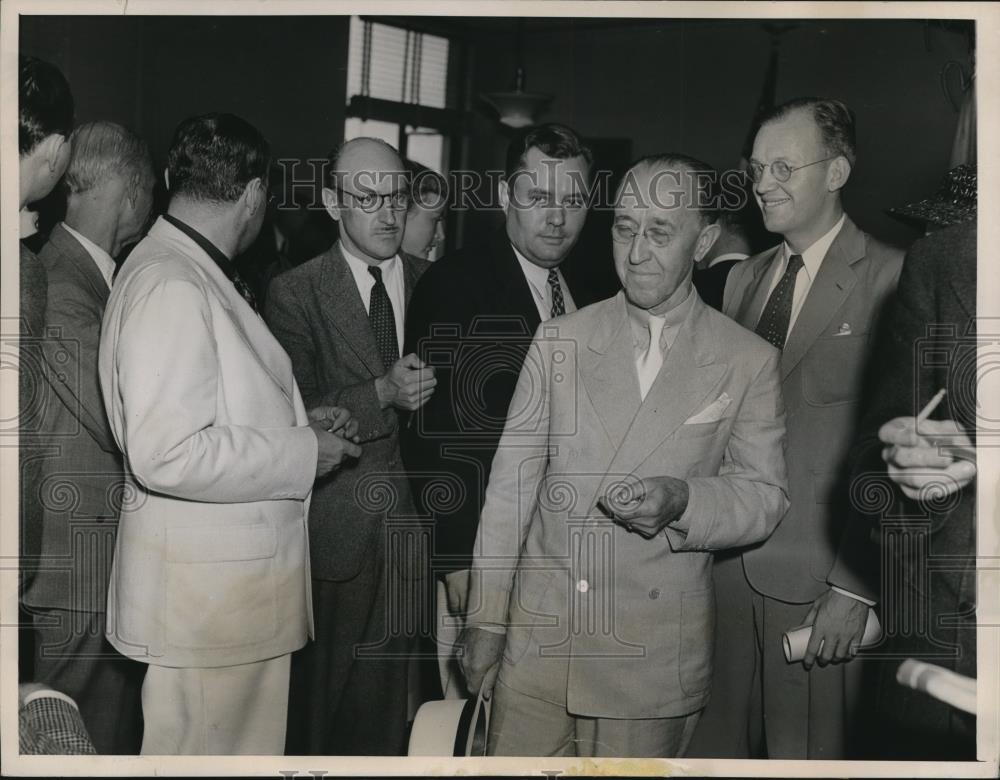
pixel 387 215
pixel 639 252
pixel 556 215
pixel 767 182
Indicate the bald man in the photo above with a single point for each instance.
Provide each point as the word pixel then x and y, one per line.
pixel 340 318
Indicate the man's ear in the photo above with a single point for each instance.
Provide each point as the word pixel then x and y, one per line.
pixel 166 179
pixel 51 148
pixel 838 174
pixel 331 202
pixel 254 195
pixel 706 240
pixel 503 193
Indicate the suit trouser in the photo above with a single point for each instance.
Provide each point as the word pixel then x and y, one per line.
pixel 762 706
pixel 521 725
pixel 225 710
pixel 73 656
pixel 349 687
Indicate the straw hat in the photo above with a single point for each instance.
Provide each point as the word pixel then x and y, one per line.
pixel 955 202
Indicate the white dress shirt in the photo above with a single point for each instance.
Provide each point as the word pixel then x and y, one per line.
pixel 392 278
pixel 538 281
pixel 105 262
pixel 812 259
pixel 723 258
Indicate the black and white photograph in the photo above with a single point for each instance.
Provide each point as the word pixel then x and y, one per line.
pixel 508 388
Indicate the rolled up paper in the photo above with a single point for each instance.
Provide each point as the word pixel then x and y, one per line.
pixel 943 684
pixel 796 640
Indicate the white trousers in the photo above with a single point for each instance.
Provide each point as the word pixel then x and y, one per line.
pixel 223 711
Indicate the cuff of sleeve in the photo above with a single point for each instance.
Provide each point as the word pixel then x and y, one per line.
pixel 682 533
pixel 49 694
pixel 854 596
pixel 303 481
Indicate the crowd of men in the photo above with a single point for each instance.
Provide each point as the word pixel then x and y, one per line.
pixel 242 511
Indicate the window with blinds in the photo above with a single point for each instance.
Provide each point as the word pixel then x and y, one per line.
pixel 391 63
pixel 397 90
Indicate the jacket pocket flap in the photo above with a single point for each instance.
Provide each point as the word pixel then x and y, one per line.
pixel 208 544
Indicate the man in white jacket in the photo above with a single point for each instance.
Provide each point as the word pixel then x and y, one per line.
pixel 210 579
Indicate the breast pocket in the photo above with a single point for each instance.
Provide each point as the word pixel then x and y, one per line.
pixel 220 588
pixel 833 369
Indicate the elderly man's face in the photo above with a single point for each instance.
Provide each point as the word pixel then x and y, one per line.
pixel 546 205
pixel 796 206
pixel 371 202
pixel 658 235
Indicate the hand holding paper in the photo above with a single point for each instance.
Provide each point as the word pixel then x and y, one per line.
pixel 796 641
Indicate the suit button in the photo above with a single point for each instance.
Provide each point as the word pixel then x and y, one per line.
pixel 654 593
pixel 583 586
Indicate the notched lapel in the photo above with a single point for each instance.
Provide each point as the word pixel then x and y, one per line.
pixel 689 374
pixel 345 309
pixel 607 368
pixel 755 295
pixel 827 294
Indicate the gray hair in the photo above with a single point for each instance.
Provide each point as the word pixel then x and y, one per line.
pixel 100 150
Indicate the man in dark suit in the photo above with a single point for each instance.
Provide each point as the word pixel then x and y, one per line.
pixel 472 317
pixel 110 193
pixel 45 118
pixel 817 297
pixel 340 318
pixel 929 345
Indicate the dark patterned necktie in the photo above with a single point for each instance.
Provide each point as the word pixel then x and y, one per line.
pixel 773 323
pixel 382 320
pixel 558 304
pixel 244 289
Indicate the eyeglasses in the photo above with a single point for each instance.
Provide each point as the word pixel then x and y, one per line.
pixel 399 200
pixel 622 233
pixel 780 170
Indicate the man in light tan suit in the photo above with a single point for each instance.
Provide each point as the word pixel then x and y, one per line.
pixel 210 583
pixel 817 296
pixel 646 431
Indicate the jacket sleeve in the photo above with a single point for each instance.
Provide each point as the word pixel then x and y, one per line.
pixel 168 374
pixel 288 320
pixel 519 465
pixel 744 503
pixel 71 353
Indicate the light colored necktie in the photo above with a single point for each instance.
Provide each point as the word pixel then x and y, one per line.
pixel 649 364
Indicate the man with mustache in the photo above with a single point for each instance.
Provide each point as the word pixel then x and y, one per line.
pixel 474 312
pixel 340 318
pixel 817 297
pixel 645 432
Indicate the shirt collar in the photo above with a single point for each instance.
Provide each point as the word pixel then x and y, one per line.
pixel 227 265
pixel 105 262
pixel 813 256
pixel 672 319
pixel 727 256
pixel 360 268
pixel 538 276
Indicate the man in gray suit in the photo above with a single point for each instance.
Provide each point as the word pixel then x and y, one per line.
pixel 817 296
pixel 340 318
pixel 646 431
pixel 110 193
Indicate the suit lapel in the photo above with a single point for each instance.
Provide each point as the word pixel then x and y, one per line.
pixel 688 375
pixel 81 261
pixel 510 283
pixel 345 309
pixel 607 368
pixel 828 292
pixel 755 294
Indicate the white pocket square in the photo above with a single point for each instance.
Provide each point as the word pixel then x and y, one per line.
pixel 844 329
pixel 712 412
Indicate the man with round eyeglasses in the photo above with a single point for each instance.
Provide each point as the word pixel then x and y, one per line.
pixel 817 297
pixel 340 318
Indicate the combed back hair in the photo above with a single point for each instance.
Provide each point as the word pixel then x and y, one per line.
pixel 101 150
pixel 428 188
pixel 705 194
pixel 45 104
pixel 833 118
pixel 552 140
pixel 213 157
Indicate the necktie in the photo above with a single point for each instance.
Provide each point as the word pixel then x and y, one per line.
pixel 773 323
pixel 558 304
pixel 244 289
pixel 652 359
pixel 382 320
